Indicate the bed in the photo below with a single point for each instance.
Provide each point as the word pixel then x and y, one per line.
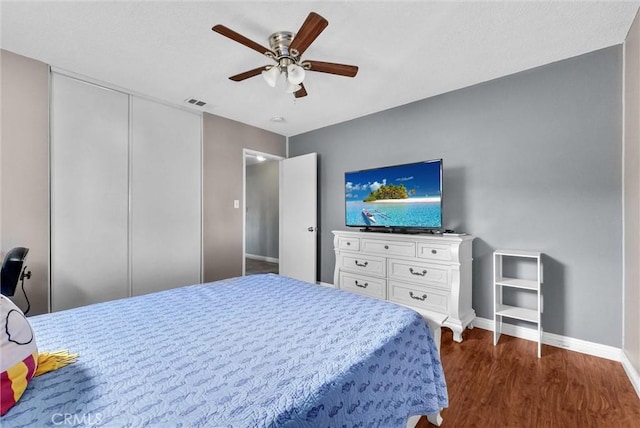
pixel 254 351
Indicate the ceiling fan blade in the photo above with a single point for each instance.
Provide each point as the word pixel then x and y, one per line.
pixel 333 68
pixel 247 74
pixel 302 92
pixel 310 29
pixel 227 32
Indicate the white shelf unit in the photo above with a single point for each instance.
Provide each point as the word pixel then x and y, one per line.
pixel 532 315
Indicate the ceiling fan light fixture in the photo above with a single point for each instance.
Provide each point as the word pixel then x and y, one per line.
pixel 291 88
pixel 295 74
pixel 271 75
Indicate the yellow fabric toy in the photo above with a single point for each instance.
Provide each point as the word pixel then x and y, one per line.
pixel 19 358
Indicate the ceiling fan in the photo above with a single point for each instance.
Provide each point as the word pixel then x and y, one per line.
pixel 286 50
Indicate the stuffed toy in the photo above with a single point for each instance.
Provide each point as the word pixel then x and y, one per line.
pixel 19 358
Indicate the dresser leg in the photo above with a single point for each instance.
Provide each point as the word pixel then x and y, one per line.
pixel 456 327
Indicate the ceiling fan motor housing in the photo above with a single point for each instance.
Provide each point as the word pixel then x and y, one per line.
pixel 280 42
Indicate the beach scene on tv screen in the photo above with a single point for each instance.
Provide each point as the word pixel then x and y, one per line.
pixel 398 196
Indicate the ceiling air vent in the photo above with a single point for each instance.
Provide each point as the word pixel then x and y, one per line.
pixel 195 102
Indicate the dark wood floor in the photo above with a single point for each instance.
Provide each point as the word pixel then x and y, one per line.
pixel 508 386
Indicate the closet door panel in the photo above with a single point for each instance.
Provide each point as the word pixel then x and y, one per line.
pixel 89 193
pixel 165 197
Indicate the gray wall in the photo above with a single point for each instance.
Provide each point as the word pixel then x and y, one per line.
pixel 223 141
pixel 24 171
pixel 262 195
pixel 631 341
pixel 531 161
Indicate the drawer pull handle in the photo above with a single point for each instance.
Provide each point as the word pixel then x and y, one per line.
pixel 386 247
pixel 423 297
pixel 423 273
pixel 365 285
pixel 362 264
pixel 348 243
pixel 434 252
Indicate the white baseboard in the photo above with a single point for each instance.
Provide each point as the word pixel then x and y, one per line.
pixel 326 284
pixel 569 343
pixel 262 258
pixel 632 374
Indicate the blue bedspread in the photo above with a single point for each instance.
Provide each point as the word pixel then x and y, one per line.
pixel 256 351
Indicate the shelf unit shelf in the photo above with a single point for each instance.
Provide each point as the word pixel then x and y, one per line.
pixel 531 315
pixel 518 283
pixel 515 312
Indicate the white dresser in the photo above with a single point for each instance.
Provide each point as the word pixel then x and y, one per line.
pixel 429 273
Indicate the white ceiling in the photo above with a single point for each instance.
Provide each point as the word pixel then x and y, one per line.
pixel 406 51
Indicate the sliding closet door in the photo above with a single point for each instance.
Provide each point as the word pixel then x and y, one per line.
pixel 89 193
pixel 165 197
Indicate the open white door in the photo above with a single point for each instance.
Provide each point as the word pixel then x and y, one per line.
pixel 298 217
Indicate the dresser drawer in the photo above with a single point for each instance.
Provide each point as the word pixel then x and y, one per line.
pixel 430 273
pixel 422 273
pixel 434 251
pixel 430 298
pixel 348 243
pixel 361 284
pixel 361 263
pixel 392 248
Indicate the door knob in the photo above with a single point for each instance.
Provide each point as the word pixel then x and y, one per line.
pixel 311 229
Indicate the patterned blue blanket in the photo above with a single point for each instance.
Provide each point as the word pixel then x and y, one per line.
pixel 256 351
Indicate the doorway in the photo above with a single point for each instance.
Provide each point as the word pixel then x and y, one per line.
pixel 261 212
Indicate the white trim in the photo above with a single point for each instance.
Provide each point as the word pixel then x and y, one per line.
pixel 202 198
pixel 633 375
pixel 245 153
pixel 326 284
pixel 569 343
pixel 49 190
pixel 624 145
pixel 262 258
pixel 250 152
pixel 130 195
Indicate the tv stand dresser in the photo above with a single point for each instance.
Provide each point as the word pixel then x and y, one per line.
pixel 428 273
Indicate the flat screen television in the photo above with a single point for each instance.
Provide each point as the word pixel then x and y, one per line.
pixel 404 197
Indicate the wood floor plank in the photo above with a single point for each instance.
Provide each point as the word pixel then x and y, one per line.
pixel 509 386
